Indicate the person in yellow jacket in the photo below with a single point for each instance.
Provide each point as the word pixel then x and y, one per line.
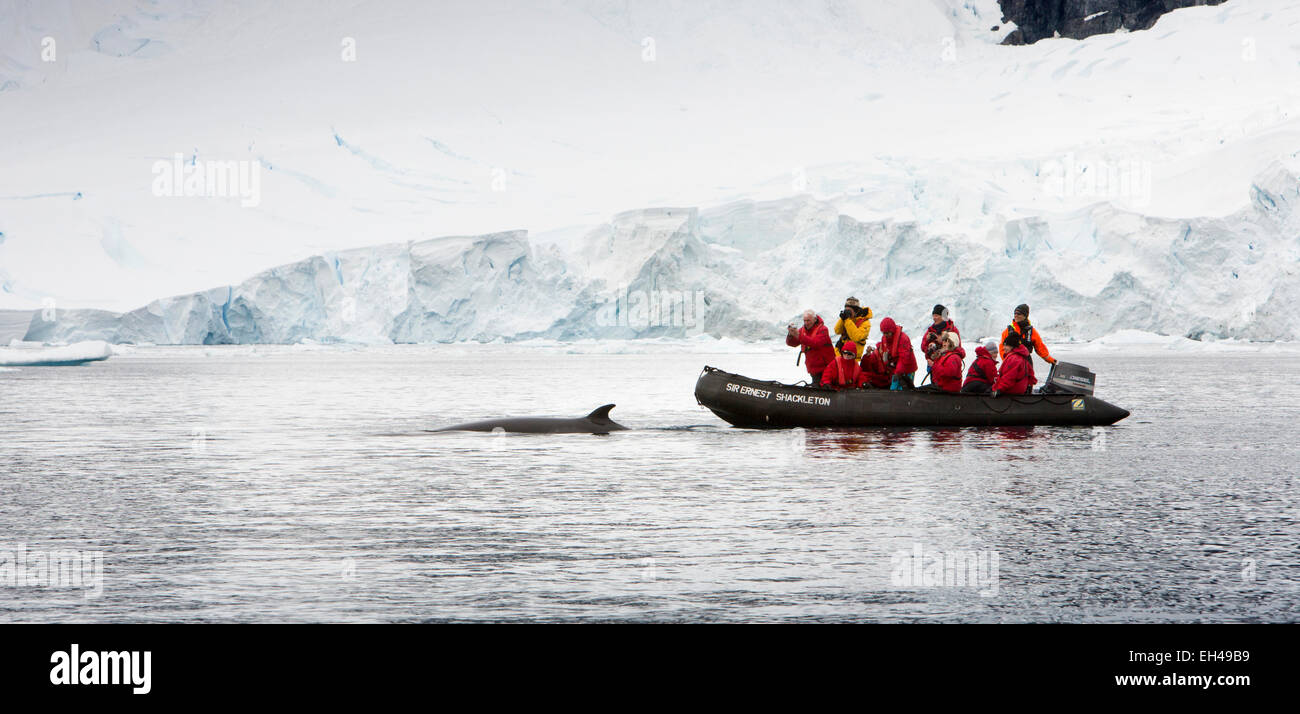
pixel 854 324
pixel 1028 335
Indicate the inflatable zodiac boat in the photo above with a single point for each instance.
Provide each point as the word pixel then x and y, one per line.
pixel 746 402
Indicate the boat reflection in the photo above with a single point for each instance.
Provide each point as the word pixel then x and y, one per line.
pixel 837 442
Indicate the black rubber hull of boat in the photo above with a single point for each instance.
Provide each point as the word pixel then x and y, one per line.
pixel 747 402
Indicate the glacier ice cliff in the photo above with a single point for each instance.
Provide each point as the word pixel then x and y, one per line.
pixel 744 269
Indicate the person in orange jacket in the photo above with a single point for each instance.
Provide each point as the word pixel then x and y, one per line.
pixel 1027 333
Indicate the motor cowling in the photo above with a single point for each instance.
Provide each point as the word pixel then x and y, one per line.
pixel 1069 378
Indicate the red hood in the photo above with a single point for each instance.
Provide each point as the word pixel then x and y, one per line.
pixel 887 325
pixel 981 352
pixel 850 346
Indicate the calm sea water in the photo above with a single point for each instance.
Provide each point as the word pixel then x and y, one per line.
pixel 291 484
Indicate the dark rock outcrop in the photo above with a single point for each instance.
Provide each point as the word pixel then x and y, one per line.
pixel 1077 19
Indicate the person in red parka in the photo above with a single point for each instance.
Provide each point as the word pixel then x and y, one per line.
pixel 983 371
pixel 1017 373
pixel 814 343
pixel 875 370
pixel 844 372
pixel 896 350
pixel 946 372
pixel 930 341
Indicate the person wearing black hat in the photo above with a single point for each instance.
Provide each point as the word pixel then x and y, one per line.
pixel 1027 333
pixel 930 341
pixel 1016 375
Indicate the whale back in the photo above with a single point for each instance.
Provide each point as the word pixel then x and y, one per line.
pixel 597 422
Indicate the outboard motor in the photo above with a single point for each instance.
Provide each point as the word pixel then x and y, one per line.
pixel 1067 378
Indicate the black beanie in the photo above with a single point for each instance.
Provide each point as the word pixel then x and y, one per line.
pixel 1023 309
pixel 1012 340
pixel 939 310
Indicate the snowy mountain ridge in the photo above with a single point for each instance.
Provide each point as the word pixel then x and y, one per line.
pixel 742 270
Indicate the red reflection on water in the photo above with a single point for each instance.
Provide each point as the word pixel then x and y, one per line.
pixel 945 438
pixel 828 442
pixel 1013 433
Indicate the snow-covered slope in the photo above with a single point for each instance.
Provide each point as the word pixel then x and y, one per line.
pixel 741 269
pixel 899 132
pixel 439 290
pixel 13 324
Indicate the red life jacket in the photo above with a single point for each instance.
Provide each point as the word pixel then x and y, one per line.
pixel 896 345
pixel 874 370
pixel 983 369
pixel 843 373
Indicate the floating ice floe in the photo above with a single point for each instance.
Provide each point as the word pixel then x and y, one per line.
pixel 74 354
pixel 1146 341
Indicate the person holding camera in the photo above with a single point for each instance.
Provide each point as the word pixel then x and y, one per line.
pixel 876 371
pixel 814 341
pixel 931 343
pixel 948 363
pixel 854 324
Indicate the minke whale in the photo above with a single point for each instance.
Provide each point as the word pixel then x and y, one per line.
pixel 597 422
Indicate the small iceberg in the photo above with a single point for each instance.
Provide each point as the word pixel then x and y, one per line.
pixel 67 355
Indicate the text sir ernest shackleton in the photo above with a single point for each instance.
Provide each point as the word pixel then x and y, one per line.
pixel 780 396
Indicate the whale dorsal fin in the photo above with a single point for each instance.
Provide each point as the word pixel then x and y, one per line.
pixel 600 413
